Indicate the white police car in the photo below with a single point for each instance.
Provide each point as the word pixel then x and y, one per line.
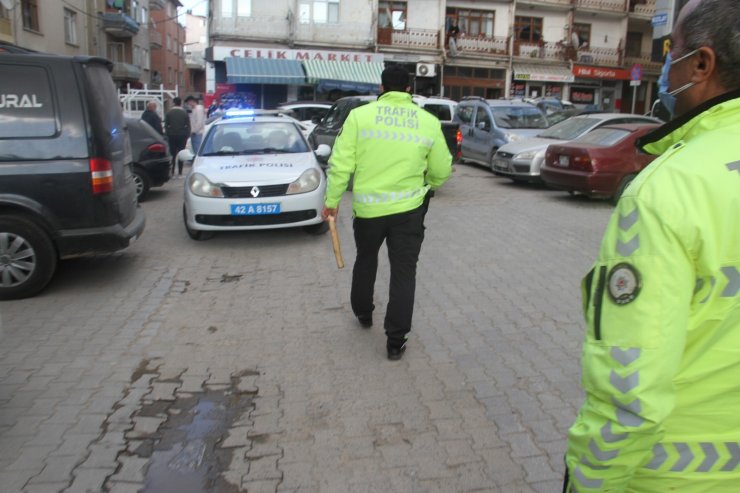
pixel 254 170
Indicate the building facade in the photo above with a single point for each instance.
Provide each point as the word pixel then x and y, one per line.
pixel 585 51
pixel 47 25
pixel 196 42
pixel 168 57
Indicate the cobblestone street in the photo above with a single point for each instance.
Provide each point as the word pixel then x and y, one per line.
pixel 101 373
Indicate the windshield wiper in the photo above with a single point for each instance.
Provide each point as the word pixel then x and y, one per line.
pixel 222 153
pixel 271 150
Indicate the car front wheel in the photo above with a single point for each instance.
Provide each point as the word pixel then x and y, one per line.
pixel 27 258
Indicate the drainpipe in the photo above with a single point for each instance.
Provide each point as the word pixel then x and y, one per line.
pixel 510 70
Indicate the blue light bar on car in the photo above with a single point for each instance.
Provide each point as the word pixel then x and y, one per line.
pixel 238 113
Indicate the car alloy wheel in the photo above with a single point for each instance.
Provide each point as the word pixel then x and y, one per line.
pixel 27 258
pixel 142 184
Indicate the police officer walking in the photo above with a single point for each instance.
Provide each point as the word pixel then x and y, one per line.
pixel 397 154
pixel 661 358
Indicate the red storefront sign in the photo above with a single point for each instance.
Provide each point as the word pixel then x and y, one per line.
pixel 600 73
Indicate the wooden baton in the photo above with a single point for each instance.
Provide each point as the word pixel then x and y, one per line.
pixel 335 242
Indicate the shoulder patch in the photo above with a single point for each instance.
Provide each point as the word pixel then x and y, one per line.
pixel 623 283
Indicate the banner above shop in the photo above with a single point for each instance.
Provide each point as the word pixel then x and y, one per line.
pixel 221 53
pixel 600 73
pixel 542 73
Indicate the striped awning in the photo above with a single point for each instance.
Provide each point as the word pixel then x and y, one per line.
pixel 263 71
pixel 347 76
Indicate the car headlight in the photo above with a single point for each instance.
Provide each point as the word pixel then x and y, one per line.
pixel 525 156
pixel 201 187
pixel 307 182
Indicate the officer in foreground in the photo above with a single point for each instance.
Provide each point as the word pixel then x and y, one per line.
pixel 397 153
pixel 661 359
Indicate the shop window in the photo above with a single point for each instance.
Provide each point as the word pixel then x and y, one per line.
pixel 392 15
pixel 633 46
pixel 471 22
pixel 528 29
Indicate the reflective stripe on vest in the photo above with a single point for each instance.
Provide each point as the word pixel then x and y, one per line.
pixel 700 457
pixel 378 198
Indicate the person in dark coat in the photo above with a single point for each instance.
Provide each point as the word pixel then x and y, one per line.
pixel 177 128
pixel 151 117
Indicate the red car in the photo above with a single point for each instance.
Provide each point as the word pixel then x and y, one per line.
pixel 600 164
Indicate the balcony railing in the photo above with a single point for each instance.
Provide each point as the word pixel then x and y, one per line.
pixel 125 71
pixel 643 9
pixel 606 5
pixel 645 60
pixel 610 57
pixel 120 25
pixel 155 38
pixel 564 3
pixel 496 45
pixel 554 51
pixel 195 60
pixel 419 39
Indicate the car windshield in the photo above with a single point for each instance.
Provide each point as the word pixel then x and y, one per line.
pixel 569 129
pixel 603 136
pixel 253 137
pixel 518 117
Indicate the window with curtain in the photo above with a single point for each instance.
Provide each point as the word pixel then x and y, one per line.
pixel 30 13
pixel 584 33
pixel 528 29
pixel 392 15
pixel 472 22
pixel 70 26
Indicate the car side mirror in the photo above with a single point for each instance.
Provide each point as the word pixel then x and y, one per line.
pixel 323 151
pixel 483 126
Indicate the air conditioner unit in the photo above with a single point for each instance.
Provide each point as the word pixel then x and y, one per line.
pixel 426 70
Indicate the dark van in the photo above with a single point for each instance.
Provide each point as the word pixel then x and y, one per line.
pixel 66 187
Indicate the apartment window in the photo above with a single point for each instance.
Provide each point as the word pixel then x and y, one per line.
pixel 4 13
pixel 318 11
pixel 528 29
pixel 135 10
pixel 584 34
pixel 137 56
pixel 30 13
pixel 145 59
pixel 227 8
pixel 144 16
pixel 244 8
pixel 392 15
pixel 70 26
pixel 471 22
pixel 170 80
pixel 115 52
pixel 169 43
pixel 633 46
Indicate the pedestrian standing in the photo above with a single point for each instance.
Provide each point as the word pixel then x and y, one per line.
pixel 661 357
pixel 151 117
pixel 197 121
pixel 397 153
pixel 177 128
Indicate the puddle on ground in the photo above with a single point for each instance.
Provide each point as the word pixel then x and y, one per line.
pixel 184 452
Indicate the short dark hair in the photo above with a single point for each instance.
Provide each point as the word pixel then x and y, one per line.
pixel 177 101
pixel 714 23
pixel 191 98
pixel 395 78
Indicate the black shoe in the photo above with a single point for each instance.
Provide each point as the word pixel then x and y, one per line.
pixel 366 321
pixel 395 351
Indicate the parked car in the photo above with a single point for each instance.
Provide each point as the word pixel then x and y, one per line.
pixel 444 110
pixel 602 163
pixel 327 129
pixel 521 161
pixel 306 112
pixel 487 124
pixel 151 155
pixel 65 159
pixel 254 172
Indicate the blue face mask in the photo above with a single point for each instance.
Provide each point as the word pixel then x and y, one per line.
pixel 668 98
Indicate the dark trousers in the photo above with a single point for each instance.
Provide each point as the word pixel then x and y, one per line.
pixel 403 234
pixel 177 144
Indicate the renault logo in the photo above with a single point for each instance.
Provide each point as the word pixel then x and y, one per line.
pixel 255 191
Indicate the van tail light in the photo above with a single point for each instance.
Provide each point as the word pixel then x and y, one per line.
pixel 102 175
pixel 458 139
pixel 156 148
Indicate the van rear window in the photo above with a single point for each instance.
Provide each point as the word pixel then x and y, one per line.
pixel 26 103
